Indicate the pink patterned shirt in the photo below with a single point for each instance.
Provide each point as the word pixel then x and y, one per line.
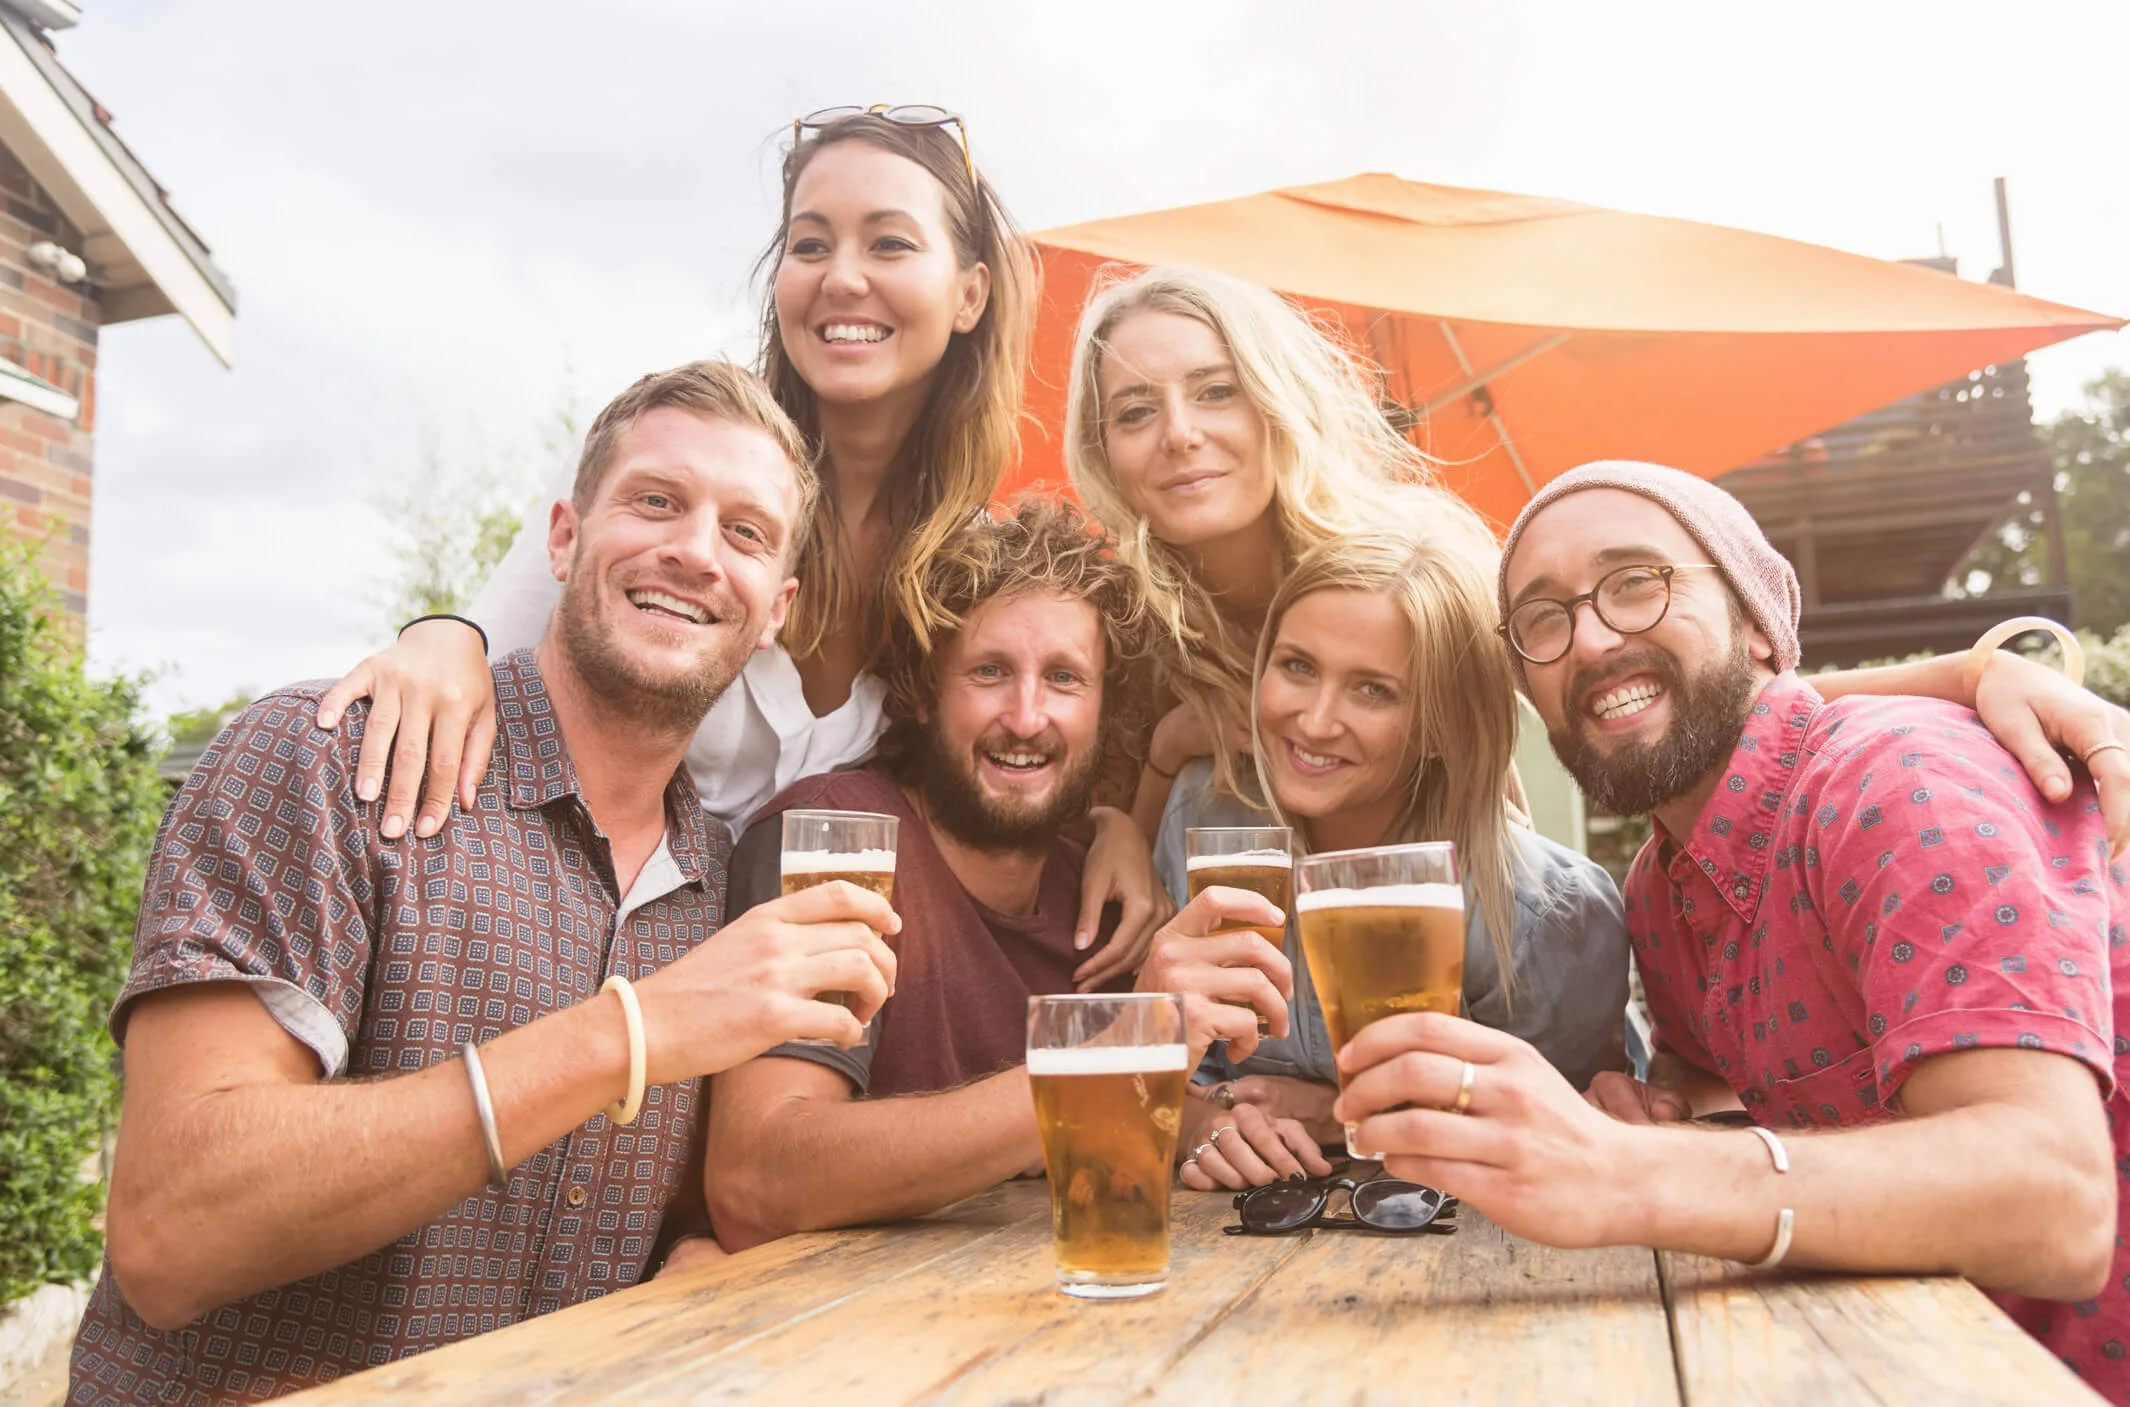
pixel 1875 882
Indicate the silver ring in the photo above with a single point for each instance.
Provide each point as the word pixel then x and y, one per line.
pixel 1464 1088
pixel 1199 1151
pixel 1214 1141
pixel 1223 1094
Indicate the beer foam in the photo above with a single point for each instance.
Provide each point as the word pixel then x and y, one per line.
pixel 1255 859
pixel 839 862
pixel 1109 1060
pixel 1387 896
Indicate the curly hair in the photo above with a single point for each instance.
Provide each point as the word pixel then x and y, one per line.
pixel 1045 546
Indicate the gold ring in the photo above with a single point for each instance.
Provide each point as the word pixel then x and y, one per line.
pixel 1464 1088
pixel 2100 747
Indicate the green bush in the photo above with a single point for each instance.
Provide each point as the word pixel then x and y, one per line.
pixel 2108 665
pixel 79 803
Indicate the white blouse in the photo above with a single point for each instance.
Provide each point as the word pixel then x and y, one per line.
pixel 759 737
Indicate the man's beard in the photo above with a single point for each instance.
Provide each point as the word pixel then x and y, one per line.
pixel 1708 713
pixel 664 704
pixel 956 802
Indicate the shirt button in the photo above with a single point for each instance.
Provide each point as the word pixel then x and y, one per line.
pixel 576 1197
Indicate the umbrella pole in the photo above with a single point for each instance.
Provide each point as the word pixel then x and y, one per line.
pixel 1477 386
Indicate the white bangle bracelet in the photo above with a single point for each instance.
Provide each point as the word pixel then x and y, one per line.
pixel 626 1111
pixel 1984 650
pixel 1785 1219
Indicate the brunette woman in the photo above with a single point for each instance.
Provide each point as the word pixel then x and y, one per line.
pixel 895 332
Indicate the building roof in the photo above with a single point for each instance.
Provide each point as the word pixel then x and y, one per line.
pixel 144 259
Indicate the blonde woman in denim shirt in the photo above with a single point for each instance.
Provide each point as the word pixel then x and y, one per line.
pixel 1383 712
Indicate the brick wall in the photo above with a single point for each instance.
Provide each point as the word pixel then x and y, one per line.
pixel 46 468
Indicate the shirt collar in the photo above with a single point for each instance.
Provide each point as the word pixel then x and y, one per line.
pixel 541 772
pixel 1734 837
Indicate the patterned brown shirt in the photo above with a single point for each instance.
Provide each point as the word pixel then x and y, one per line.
pixel 385 956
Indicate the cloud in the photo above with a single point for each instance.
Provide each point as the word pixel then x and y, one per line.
pixel 434 217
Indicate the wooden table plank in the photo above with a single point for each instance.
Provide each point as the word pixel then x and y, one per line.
pixel 598 1351
pixel 1752 1337
pixel 959 1309
pixel 1475 1317
pixel 986 1324
pixel 1113 1352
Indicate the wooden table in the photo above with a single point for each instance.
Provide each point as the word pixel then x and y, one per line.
pixel 958 1308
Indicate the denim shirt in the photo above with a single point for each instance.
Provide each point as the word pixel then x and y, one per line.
pixel 1569 944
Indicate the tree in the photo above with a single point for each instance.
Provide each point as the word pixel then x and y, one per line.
pixel 2091 452
pixel 200 725
pixel 449 529
pixel 79 803
pixel 454 515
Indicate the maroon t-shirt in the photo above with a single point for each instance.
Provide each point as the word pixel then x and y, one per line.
pixel 965 972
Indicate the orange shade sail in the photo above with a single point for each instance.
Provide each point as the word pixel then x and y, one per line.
pixel 1538 334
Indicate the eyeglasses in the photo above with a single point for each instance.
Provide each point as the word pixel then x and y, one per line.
pixel 1628 599
pixel 1374 1204
pixel 918 115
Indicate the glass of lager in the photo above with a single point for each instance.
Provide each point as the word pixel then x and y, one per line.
pixel 1383 932
pixel 858 846
pixel 1257 858
pixel 1107 1073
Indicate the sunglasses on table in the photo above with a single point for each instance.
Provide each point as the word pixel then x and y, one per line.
pixel 918 115
pixel 1385 1204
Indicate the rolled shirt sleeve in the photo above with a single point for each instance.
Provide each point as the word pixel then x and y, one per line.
pixel 1959 914
pixel 265 872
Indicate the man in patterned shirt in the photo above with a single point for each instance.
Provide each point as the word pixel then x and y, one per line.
pixel 1857 921
pixel 303 1186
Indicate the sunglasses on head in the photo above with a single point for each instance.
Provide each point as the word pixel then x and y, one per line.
pixel 919 115
pixel 1386 1204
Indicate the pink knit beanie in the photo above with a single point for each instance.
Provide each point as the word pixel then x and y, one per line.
pixel 1760 576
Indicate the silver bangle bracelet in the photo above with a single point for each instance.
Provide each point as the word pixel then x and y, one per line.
pixel 1785 1219
pixel 498 1175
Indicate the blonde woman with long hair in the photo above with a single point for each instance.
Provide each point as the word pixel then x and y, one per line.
pixel 1219 435
pixel 1384 711
pixel 898 303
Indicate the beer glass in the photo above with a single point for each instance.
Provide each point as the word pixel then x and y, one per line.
pixel 1383 933
pixel 858 846
pixel 1257 858
pixel 1107 1073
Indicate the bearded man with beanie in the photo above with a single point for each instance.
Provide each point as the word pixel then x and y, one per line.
pixel 1858 922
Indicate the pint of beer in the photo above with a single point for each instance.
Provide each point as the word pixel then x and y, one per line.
pixel 1257 858
pixel 1107 1073
pixel 1383 932
pixel 857 846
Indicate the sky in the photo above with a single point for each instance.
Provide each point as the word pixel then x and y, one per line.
pixel 449 224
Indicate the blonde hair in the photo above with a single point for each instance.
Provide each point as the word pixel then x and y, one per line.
pixel 717 391
pixel 1462 697
pixel 1338 468
pixel 950 464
